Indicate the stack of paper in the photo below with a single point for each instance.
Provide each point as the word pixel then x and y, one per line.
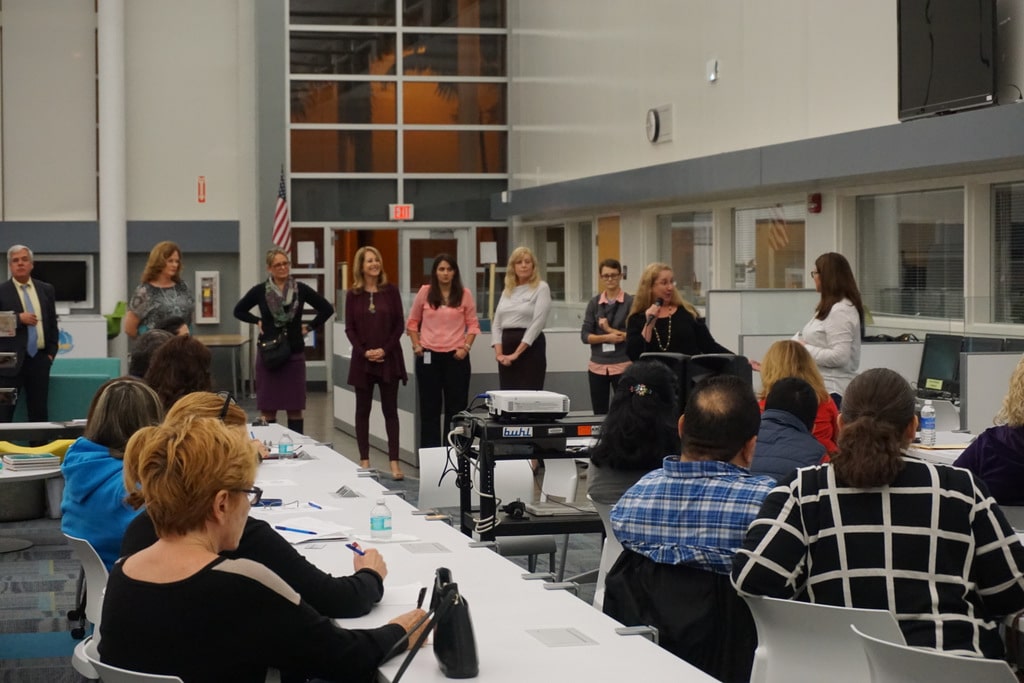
pixel 31 461
pixel 297 530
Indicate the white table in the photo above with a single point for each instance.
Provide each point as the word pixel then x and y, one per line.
pixel 956 442
pixel 54 492
pixel 505 608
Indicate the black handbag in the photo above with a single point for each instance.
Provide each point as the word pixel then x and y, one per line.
pixel 274 350
pixel 454 642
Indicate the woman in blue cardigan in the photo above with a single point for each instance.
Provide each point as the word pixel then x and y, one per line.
pixel 94 505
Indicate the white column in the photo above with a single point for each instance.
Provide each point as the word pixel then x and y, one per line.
pixel 112 160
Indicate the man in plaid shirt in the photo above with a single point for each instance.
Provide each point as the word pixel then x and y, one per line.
pixel 681 525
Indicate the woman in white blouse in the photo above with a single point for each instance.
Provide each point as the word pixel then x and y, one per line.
pixel 517 329
pixel 833 335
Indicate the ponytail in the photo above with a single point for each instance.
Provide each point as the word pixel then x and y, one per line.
pixel 877 409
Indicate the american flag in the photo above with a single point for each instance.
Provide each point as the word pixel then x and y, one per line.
pixel 282 236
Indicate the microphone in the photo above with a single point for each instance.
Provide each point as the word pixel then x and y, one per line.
pixel 659 302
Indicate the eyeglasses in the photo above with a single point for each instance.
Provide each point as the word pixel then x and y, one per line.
pixel 611 276
pixel 255 494
pixel 280 264
pixel 229 400
pixel 815 273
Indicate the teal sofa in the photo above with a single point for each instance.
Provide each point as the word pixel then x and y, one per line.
pixel 73 383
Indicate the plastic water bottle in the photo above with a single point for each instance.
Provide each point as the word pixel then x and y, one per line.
pixel 285 447
pixel 928 424
pixel 380 521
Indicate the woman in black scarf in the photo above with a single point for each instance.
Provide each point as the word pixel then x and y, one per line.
pixel 280 299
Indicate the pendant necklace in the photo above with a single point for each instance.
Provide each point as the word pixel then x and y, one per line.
pixel 373 309
pixel 668 337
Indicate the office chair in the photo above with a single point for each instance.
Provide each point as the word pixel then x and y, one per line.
pixel 895 662
pixel 112 674
pixel 90 603
pixel 797 641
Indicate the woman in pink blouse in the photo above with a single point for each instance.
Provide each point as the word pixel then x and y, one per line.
pixel 442 325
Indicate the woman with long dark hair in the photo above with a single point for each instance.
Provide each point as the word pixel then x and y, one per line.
pixel 638 432
pixel 833 335
pixel 877 529
pixel 374 324
pixel 672 325
pixel 442 326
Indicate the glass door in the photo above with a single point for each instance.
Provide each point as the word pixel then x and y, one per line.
pixel 419 247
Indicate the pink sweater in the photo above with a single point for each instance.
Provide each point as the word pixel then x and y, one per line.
pixel 445 328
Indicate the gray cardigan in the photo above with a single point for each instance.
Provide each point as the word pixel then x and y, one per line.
pixel 616 313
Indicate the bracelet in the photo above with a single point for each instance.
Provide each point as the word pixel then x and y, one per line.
pixel 467 347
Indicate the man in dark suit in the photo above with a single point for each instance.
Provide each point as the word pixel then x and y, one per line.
pixel 35 339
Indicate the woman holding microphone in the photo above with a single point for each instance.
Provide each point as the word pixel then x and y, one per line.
pixel 661 320
pixel 442 326
pixel 517 329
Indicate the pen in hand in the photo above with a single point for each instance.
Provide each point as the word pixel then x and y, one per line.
pixel 421 597
pixel 354 547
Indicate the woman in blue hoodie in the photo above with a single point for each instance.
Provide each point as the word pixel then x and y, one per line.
pixel 94 505
pixel 997 455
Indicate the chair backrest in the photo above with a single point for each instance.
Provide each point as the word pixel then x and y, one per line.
pixel 797 641
pixel 895 663
pixel 609 552
pixel 112 674
pixel 512 479
pixel 95 578
pixel 1014 515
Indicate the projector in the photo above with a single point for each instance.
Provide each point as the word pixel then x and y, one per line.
pixel 527 405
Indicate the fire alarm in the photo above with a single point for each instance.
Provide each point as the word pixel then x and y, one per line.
pixel 814 202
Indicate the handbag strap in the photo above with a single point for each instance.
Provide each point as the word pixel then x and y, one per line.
pixel 431 619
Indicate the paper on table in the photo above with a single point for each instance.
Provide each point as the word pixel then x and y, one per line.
pixel 322 529
pixel 268 484
pixel 401 595
pixel 395 538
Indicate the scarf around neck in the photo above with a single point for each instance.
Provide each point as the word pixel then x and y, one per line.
pixel 280 301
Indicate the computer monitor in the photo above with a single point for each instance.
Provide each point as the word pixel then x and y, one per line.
pixel 940 366
pixel 692 369
pixel 982 344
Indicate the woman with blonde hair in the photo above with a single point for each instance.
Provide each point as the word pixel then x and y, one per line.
pixel 661 320
pixel 339 597
pixel 196 478
pixel 374 324
pixel 162 294
pixel 517 331
pixel 788 358
pixel 996 456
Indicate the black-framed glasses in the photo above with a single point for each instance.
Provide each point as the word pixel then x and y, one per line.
pixel 255 495
pixel 229 399
pixel 815 273
pixel 611 276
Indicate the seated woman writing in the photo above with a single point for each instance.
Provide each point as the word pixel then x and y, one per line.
pixel 179 608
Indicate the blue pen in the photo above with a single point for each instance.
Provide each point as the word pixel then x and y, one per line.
pixel 294 530
pixel 314 505
pixel 252 434
pixel 354 547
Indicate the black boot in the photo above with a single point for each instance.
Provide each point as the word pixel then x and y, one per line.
pixel 296 425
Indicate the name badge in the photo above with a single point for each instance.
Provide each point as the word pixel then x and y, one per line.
pixel 608 348
pixel 426 357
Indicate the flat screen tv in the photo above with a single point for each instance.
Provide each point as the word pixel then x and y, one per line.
pixel 946 56
pixel 70 275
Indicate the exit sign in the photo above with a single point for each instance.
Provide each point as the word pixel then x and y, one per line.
pixel 401 212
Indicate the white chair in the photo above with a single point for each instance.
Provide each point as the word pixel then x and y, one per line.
pixel 800 641
pixel 609 552
pixel 95 585
pixel 112 674
pixel 895 663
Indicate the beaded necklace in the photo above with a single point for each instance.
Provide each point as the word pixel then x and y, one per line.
pixel 668 337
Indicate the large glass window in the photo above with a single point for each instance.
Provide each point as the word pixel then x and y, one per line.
pixel 454 103
pixel 445 13
pixel 347 13
pixel 551 257
pixel 456 151
pixel 685 241
pixel 343 102
pixel 343 151
pixel 449 54
pixel 1008 253
pixel 769 248
pixel 351 54
pixel 911 253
